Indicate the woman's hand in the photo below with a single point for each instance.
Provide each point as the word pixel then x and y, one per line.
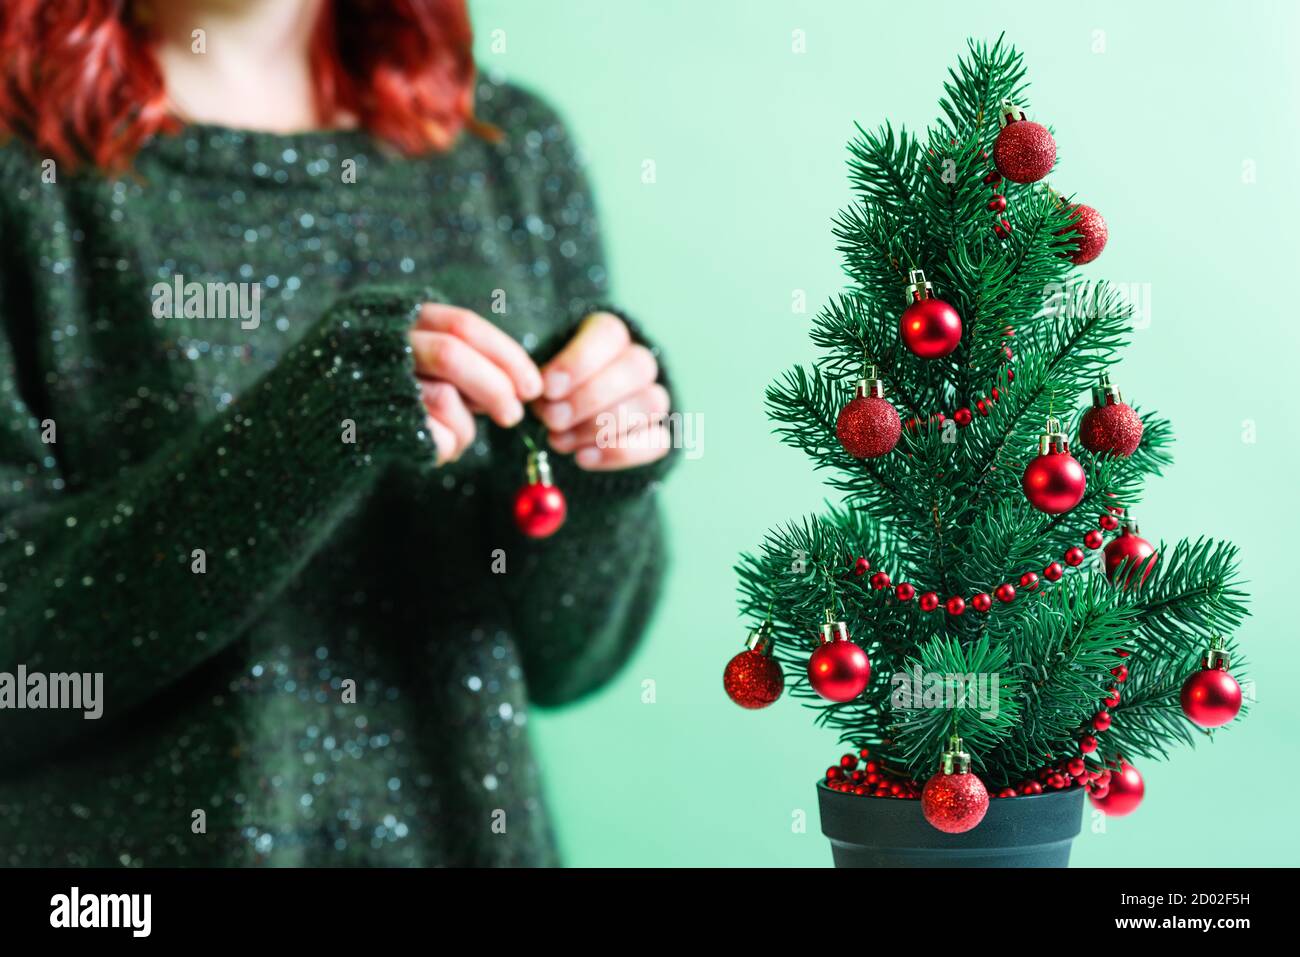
pixel 602 400
pixel 465 365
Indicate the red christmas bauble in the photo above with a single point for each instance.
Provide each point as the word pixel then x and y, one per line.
pixel 839 670
pixel 539 509
pixel 868 427
pixel 954 803
pixel 1211 697
pixel 1024 151
pixel 1123 794
pixel 753 680
pixel 1112 429
pixel 1088 230
pixel 930 328
pixel 1054 482
pixel 1132 552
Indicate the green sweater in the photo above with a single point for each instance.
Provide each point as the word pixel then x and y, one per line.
pixel 310 655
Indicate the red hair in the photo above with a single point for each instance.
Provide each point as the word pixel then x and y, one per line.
pixel 79 81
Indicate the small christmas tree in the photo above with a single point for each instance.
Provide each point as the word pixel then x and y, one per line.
pixel 984 577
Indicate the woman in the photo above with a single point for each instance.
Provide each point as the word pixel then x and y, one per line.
pixel 246 466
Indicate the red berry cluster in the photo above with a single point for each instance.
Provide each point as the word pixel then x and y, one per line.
pixel 872 779
pixel 1053 776
pixel 983 404
pixel 1005 592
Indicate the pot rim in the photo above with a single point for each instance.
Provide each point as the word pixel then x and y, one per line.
pixel 821 784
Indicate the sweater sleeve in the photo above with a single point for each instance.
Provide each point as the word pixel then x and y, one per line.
pixel 582 598
pixel 143 577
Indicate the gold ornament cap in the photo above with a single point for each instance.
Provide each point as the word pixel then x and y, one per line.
pixel 917 287
pixel 1053 439
pixel 1216 656
pixel 870 386
pixel 954 760
pixel 1105 393
pixel 760 639
pixel 1009 113
pixel 538 468
pixel 833 630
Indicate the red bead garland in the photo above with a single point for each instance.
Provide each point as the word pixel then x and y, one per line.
pixel 956 605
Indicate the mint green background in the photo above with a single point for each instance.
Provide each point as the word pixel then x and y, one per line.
pixel 748 139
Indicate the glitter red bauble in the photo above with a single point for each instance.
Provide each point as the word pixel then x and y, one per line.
pixel 1133 553
pixel 539 509
pixel 839 670
pixel 1054 482
pixel 954 803
pixel 1123 794
pixel 753 680
pixel 868 427
pixel 1211 697
pixel 1111 429
pixel 930 328
pixel 1024 151
pixel 1088 230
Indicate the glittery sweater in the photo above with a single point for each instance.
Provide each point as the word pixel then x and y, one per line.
pixel 317 648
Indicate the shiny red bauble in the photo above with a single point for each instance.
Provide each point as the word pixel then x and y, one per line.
pixel 1123 793
pixel 753 679
pixel 1088 230
pixel 539 509
pixel 1131 552
pixel 1054 482
pixel 1024 151
pixel 839 670
pixel 1211 697
pixel 930 328
pixel 954 803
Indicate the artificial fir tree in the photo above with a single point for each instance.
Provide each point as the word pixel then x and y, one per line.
pixel 973 544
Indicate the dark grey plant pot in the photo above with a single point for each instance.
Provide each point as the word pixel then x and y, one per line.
pixel 1032 831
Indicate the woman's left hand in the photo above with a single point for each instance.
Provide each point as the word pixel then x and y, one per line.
pixel 601 398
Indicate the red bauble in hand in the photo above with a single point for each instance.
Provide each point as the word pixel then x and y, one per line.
pixel 838 670
pixel 1088 230
pixel 1054 481
pixel 869 427
pixel 1110 427
pixel 754 679
pixel 1024 151
pixel 1130 552
pixel 954 800
pixel 1211 697
pixel 929 327
pixel 1122 794
pixel 539 506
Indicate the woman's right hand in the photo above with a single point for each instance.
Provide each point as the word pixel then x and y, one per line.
pixel 466 365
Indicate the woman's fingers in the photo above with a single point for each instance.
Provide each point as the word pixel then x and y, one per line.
pixel 648 446
pixel 445 406
pixel 599 339
pixel 440 355
pixel 627 417
pixel 444 440
pixel 489 341
pixel 631 370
